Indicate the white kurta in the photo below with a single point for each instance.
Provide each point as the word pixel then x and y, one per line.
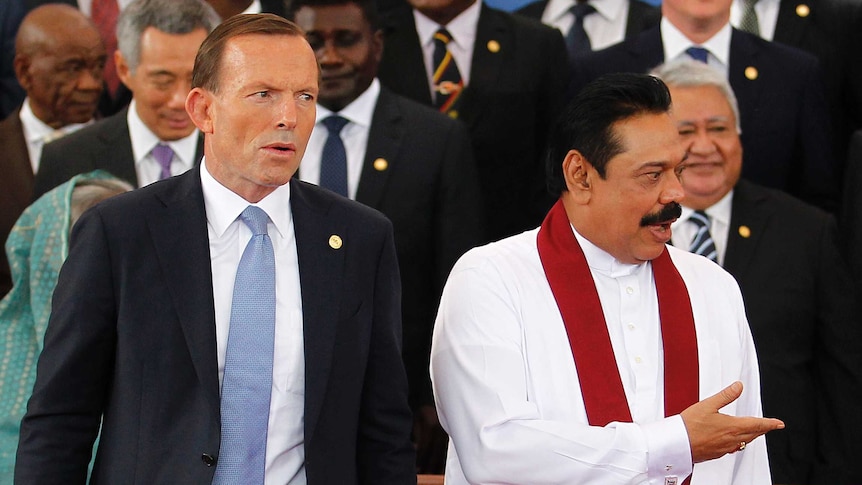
pixel 507 390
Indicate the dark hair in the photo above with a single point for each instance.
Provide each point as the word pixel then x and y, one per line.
pixel 587 124
pixel 368 8
pixel 208 59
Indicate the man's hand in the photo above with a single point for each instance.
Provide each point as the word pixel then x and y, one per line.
pixel 712 434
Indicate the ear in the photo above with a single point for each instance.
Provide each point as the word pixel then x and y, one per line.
pixel 123 71
pixel 378 44
pixel 199 108
pixel 578 175
pixel 21 64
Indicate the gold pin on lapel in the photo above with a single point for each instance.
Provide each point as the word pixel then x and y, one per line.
pixel 493 46
pixel 453 114
pixel 380 164
pixel 803 10
pixel 335 241
pixel 744 231
pixel 751 73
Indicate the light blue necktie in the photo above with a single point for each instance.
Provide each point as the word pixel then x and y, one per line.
pixel 247 382
pixel 702 243
pixel 333 162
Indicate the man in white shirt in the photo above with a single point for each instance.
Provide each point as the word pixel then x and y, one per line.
pixel 153 138
pixel 588 351
pixel 796 285
pixel 59 60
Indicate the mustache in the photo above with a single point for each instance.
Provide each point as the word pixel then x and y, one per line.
pixel 667 213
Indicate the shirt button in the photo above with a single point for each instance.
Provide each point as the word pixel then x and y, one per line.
pixel 630 290
pixel 631 326
pixel 638 360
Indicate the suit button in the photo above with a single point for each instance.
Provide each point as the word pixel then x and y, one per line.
pixel 208 459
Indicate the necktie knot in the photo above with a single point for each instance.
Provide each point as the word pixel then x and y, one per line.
pixel 256 219
pixel 700 219
pixel 334 124
pixel 581 10
pixel 442 35
pixel 164 155
pixel 698 54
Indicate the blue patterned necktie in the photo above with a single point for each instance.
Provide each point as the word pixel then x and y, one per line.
pixel 702 243
pixel 577 40
pixel 698 54
pixel 247 382
pixel 333 162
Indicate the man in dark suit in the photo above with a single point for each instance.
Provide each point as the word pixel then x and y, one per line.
pixel 513 77
pixel 157 42
pixel 403 159
pixel 58 60
pixel 794 281
pixel 605 22
pixel 148 322
pixel 783 109
pixel 829 29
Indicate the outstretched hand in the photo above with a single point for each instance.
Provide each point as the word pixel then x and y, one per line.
pixel 712 434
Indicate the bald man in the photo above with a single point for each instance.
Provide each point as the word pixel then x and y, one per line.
pixel 59 61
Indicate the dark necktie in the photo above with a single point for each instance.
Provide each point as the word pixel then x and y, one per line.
pixel 247 382
pixel 702 243
pixel 333 162
pixel 577 40
pixel 698 54
pixel 447 78
pixel 749 21
pixel 164 155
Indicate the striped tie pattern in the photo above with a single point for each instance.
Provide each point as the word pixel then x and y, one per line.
pixel 749 21
pixel 702 243
pixel 447 79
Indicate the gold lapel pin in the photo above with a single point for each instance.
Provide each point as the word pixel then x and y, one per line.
pixel 744 231
pixel 751 73
pixel 380 164
pixel 493 46
pixel 803 10
pixel 335 241
pixel 453 114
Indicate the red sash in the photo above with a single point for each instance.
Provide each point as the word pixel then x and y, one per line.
pixel 576 296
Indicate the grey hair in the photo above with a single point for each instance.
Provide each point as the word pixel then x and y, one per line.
pixel 88 193
pixel 688 73
pixel 168 16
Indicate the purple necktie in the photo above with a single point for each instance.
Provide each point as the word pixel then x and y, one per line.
pixel 163 154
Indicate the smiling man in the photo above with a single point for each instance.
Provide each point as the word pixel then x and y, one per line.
pixel 796 287
pixel 587 351
pixel 153 138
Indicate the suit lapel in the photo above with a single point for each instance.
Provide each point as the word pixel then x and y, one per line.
pixel 321 270
pixel 790 27
pixel 748 221
pixel 384 141
pixel 179 233
pixel 647 47
pixel 115 152
pixel 494 39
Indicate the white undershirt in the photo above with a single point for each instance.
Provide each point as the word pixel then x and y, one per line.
pixel 228 236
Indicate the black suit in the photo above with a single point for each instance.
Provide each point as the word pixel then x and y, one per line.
pixel 832 31
pixel 16 186
pixel 132 339
pixel 641 15
pixel 430 192
pixel 784 119
pixel 851 217
pixel 105 145
pixel 516 85
pixel 806 327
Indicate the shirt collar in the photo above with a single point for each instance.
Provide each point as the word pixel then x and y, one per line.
pixel 675 42
pixel 223 206
pixel 143 140
pixel 603 262
pixel 360 110
pixel 462 28
pixel 719 212
pixel 557 9
pixel 35 130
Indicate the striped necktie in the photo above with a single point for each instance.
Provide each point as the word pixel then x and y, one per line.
pixel 447 78
pixel 702 243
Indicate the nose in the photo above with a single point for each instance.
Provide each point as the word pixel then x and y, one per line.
pixel 672 190
pixel 328 54
pixel 701 143
pixel 179 93
pixel 287 113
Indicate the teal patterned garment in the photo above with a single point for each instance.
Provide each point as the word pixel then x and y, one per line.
pixel 37 247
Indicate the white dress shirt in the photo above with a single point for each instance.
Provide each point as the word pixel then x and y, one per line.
pixel 675 44
pixel 37 133
pixel 354 135
pixel 605 27
pixel 684 230
pixel 143 141
pixel 463 31
pixel 228 237
pixel 767 15
pixel 507 390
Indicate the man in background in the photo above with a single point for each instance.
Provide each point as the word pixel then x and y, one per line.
pixel 59 59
